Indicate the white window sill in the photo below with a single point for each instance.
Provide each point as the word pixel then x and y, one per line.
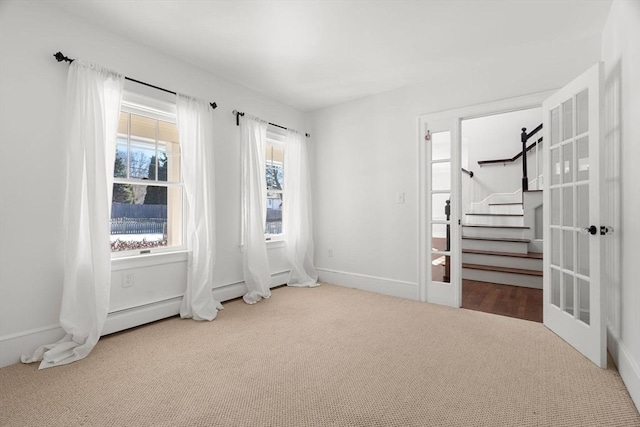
pixel 148 260
pixel 274 243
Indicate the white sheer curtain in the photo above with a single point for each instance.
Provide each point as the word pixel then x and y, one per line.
pixel 93 106
pixel 195 127
pixel 297 217
pixel 257 274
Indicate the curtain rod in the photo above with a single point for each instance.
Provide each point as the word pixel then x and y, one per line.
pixel 61 57
pixel 240 113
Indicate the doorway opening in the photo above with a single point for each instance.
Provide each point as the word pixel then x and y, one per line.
pixel 501 215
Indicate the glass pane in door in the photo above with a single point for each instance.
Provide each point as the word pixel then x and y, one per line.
pixel 582 112
pixel 555 246
pixel 555 126
pixel 567 159
pixel 441 268
pixel 441 176
pixel 583 301
pixel 438 205
pixel 555 206
pixel 567 206
pixel 441 145
pixel 582 154
pixel 439 237
pixel 555 166
pixel 555 287
pixel 567 119
pixel 567 249
pixel 568 293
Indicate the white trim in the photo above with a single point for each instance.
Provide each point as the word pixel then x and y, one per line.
pixel 381 285
pixel 12 346
pixel 138 260
pixel 28 332
pixel 628 369
pixel 278 242
pixel 492 108
pixel 155 108
pixel 136 316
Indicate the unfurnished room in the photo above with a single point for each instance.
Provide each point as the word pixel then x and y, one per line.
pixel 320 213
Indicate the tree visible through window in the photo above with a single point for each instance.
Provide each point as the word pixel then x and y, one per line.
pixel 146 210
pixel 275 186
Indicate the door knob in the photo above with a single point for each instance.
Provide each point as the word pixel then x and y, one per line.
pixel 590 230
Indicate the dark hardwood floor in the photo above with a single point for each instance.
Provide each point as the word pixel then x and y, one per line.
pixel 513 301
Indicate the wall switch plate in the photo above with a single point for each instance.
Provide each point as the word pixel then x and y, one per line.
pixel 330 253
pixel 400 197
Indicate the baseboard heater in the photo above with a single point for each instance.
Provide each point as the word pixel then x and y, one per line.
pixel 136 316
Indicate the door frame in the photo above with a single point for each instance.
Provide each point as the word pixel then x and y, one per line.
pixel 457 116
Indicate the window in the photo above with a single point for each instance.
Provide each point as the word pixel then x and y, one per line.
pixel 275 185
pixel 147 208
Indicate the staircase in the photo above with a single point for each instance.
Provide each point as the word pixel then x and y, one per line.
pixel 497 242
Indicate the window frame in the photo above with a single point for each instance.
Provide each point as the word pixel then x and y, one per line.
pixel 158 110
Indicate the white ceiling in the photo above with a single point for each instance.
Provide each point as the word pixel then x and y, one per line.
pixel 311 54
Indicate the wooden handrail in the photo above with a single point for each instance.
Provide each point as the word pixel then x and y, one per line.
pixel 512 159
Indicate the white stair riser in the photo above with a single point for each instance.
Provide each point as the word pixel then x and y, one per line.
pixel 495 232
pixel 497 209
pixel 494 220
pixel 497 198
pixel 505 209
pixel 503 278
pixel 503 261
pixel 495 246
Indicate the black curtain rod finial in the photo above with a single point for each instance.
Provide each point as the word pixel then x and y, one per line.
pixel 61 57
pixel 237 114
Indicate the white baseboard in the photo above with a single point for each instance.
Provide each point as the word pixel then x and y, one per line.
pixel 15 345
pixel 381 285
pixel 627 367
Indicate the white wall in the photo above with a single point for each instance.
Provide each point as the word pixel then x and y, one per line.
pixel 621 55
pixel 365 153
pixel 32 149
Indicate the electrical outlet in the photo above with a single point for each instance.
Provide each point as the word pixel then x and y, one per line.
pixel 330 253
pixel 127 280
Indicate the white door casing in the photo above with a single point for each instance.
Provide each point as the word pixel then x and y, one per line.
pixel 573 294
pixel 440 293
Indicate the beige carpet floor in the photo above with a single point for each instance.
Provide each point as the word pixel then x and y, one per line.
pixel 328 356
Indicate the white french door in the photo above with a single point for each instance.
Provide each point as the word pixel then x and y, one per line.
pixel 440 183
pixel 573 294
